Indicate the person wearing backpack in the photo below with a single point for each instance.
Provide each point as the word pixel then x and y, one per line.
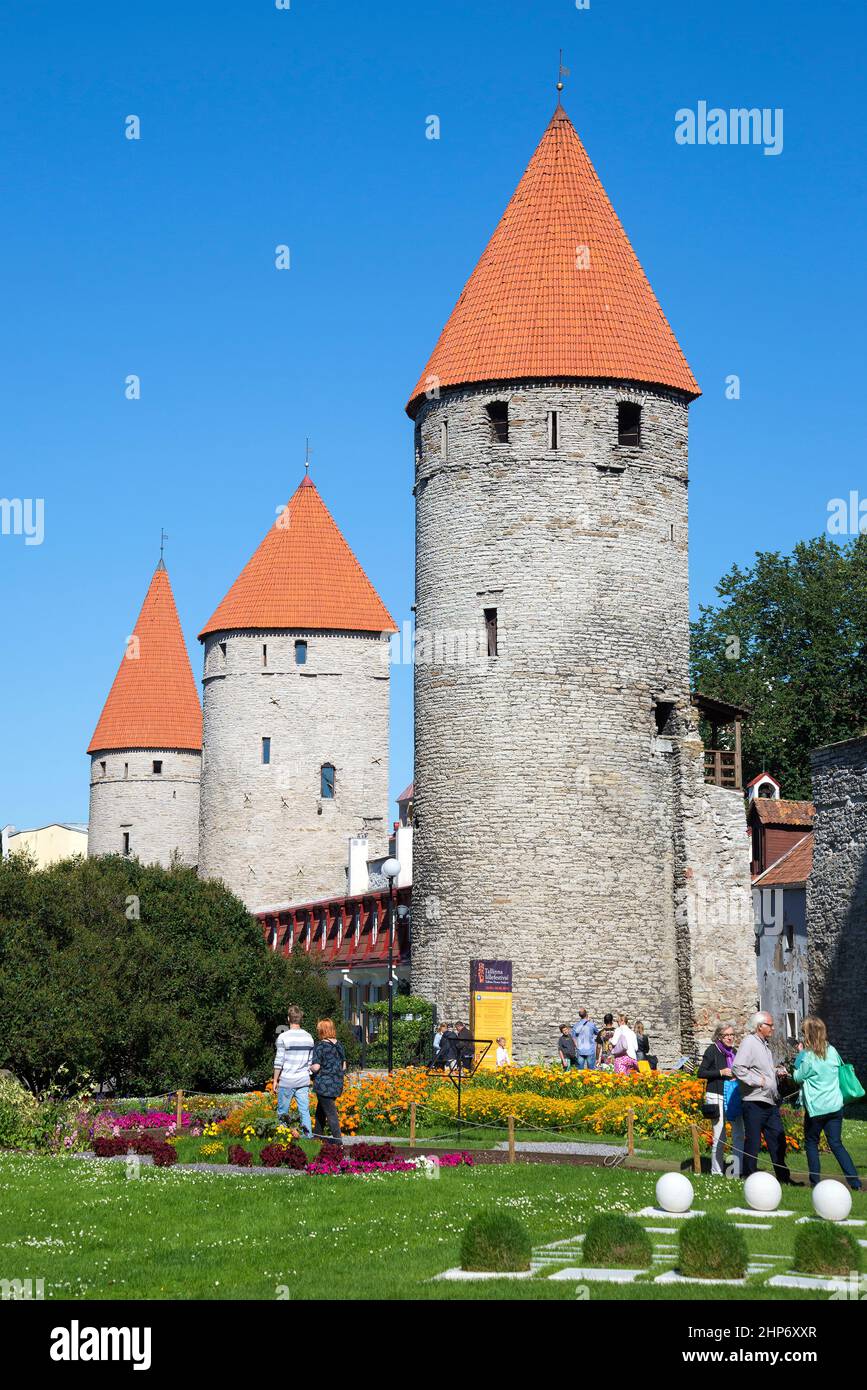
pixel 327 1066
pixel 566 1047
pixel 818 1073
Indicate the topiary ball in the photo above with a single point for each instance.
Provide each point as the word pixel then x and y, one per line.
pixel 711 1248
pixel 496 1242
pixel 614 1240
pixel 823 1248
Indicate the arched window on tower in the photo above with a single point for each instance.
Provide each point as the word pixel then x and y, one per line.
pixel 327 782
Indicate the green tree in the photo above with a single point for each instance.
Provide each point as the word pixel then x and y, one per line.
pixel 150 976
pixel 789 641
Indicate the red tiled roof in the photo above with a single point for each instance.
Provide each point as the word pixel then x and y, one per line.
pixel 153 702
pixel 760 778
pixel 771 811
pixel 533 308
pixel 407 793
pixel 303 575
pixel 793 867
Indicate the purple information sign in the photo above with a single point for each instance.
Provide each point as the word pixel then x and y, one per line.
pixel 491 976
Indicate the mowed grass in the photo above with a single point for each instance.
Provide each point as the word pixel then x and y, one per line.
pixel 90 1232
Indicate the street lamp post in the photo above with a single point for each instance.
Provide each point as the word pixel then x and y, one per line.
pixel 391 869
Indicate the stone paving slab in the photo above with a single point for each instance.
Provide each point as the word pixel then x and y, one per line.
pixel 469 1274
pixel 759 1215
pixel 672 1277
pixel 597 1275
pixel 828 1283
pixel 668 1215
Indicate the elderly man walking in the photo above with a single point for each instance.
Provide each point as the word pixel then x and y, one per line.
pixel 758 1074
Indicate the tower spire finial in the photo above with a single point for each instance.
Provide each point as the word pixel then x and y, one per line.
pixel 561 73
pixel 307 456
pixel 164 535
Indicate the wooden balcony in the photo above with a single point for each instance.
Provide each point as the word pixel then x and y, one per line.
pixel 722 767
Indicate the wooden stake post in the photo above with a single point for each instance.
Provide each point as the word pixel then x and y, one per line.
pixel 180 1109
pixel 412 1124
pixel 630 1132
pixel 696 1152
pixel 511 1139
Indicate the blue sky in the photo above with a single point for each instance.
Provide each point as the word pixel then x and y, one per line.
pixel 306 127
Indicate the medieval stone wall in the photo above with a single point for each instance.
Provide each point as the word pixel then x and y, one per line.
pixel 265 829
pixel 837 897
pixel 159 811
pixel 549 820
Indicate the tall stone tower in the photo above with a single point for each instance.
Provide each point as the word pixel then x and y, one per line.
pixel 562 819
pixel 296 705
pixel 146 751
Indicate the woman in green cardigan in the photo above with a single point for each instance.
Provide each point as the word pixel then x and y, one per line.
pixel 817 1072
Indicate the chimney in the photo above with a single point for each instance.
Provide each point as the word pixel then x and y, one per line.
pixel 358 879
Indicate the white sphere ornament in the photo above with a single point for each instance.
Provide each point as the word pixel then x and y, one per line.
pixel 763 1192
pixel 674 1192
pixel 831 1200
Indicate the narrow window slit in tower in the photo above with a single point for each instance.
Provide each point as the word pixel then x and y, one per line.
pixel 662 712
pixel 264 654
pixel 491 630
pixel 223 652
pixel 266 750
pixel 300 653
pixel 629 423
pixel 498 414
pixel 126 842
pixel 553 430
pixel 671 531
pixel 444 439
pixel 102 769
pixel 327 782
pixel 157 766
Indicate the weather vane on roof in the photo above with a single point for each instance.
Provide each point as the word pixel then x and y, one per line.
pixel 307 456
pixel 562 72
pixel 163 538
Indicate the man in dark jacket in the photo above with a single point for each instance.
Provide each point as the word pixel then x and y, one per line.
pixel 464 1046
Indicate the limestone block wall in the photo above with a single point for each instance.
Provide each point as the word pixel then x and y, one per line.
pixel 158 810
pixel 264 828
pixel 837 897
pixel 545 800
pixel 718 977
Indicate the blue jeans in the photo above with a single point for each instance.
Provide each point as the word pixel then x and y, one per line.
pixel 833 1126
pixel 302 1098
pixel 586 1061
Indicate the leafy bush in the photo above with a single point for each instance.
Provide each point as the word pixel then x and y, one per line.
pixel 164 1155
pixel 371 1153
pixel 615 1240
pixel 823 1247
pixel 712 1248
pixel 151 977
pixel 283 1156
pixel 411 1037
pixel 106 1146
pixel 18 1114
pixel 241 1157
pixel 495 1241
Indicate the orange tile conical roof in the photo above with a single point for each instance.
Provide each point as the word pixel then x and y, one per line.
pixel 153 702
pixel 559 291
pixel 303 575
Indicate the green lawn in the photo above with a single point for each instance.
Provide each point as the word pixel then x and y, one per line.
pixel 89 1232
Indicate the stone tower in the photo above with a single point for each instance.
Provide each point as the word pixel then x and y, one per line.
pixel 562 819
pixel 146 751
pixel 296 707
